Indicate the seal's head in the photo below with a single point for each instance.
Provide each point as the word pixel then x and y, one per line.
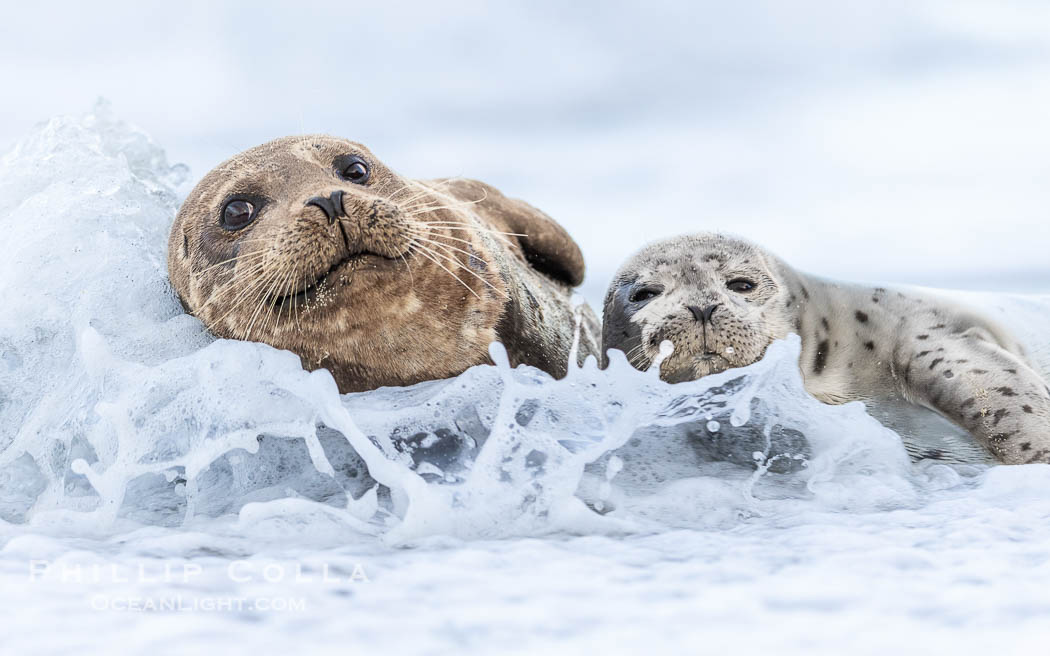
pixel 717 299
pixel 311 244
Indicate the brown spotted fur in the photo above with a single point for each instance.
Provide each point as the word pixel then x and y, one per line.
pixel 377 309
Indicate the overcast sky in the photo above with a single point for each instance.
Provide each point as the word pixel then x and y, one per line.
pixel 896 141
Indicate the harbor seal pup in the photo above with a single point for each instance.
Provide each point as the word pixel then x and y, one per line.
pixel 313 245
pixel 721 301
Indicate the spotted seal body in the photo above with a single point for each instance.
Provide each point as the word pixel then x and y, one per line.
pixel 312 244
pixel 721 301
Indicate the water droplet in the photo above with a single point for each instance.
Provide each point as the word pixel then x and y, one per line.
pixel 713 426
pixel 729 350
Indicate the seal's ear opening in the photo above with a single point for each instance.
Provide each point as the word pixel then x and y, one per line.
pixel 545 244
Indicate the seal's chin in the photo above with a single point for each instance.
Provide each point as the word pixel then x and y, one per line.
pixel 693 367
pixel 709 363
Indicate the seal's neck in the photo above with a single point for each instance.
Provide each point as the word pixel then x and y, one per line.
pixel 830 317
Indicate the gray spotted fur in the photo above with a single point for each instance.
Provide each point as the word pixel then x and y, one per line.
pixel 903 353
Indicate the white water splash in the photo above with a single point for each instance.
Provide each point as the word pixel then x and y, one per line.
pixel 128 432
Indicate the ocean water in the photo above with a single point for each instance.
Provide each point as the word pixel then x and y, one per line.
pixel 162 491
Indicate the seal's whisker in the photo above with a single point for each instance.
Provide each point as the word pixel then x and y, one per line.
pixel 637 356
pixel 433 185
pixel 240 299
pixel 256 240
pixel 284 298
pixel 427 206
pixel 266 302
pixel 295 299
pixel 278 307
pixel 421 190
pixel 394 193
pixel 422 209
pixel 461 225
pixel 432 259
pixel 248 273
pixel 406 204
pixel 460 264
pixel 290 285
pixel 500 236
pixel 238 294
pixel 233 260
pixel 250 268
pixel 432 233
pixel 445 224
pixel 250 292
pixel 408 267
pixel 425 252
pixel 269 240
pixel 295 314
pixel 450 200
pixel 450 197
pixel 427 239
pixel 418 191
pixel 261 303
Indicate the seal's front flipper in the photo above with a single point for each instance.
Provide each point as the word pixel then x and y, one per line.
pixel 547 247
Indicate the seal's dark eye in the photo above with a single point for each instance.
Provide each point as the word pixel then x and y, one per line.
pixel 643 294
pixel 354 169
pixel 740 285
pixel 237 214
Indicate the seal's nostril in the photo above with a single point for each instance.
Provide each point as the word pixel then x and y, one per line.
pixel 337 203
pixel 331 206
pixel 709 312
pixel 703 315
pixel 325 204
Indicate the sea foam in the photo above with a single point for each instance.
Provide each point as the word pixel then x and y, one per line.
pixel 131 438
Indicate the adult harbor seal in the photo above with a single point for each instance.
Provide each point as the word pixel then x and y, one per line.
pixel 313 245
pixel 721 301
